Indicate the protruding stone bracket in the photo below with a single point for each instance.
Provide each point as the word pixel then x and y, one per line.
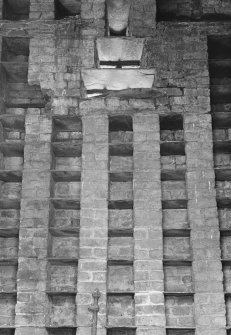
pixel 94 308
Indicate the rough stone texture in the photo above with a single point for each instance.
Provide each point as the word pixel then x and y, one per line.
pixel 148 245
pixel 59 52
pixel 209 297
pixel 32 302
pixel 92 267
pixel 179 311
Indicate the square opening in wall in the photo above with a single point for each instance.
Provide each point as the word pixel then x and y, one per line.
pixel 16 10
pixel 67 8
pixel 178 10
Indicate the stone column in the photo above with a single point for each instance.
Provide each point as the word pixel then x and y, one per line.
pixel 92 267
pixel 148 235
pixel 209 302
pixel 32 302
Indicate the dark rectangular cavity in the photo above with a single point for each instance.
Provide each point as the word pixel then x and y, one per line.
pixel 120 123
pixel 222 147
pixel 67 8
pixel 62 331
pixel 219 47
pixel 221 120
pixel 174 204
pixel 15 49
pixel 67 149
pixel 15 10
pixel 121 331
pixel 172 148
pixel 120 64
pixel 122 150
pixel 223 174
pixel 171 122
pixel 120 204
pixel 121 177
pixel 66 176
pixel 7 331
pixel 64 124
pixel 66 204
pixel 173 175
pixel 184 331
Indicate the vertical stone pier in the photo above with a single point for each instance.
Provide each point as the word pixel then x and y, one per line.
pixel 148 236
pixel 32 302
pixel 209 301
pixel 92 267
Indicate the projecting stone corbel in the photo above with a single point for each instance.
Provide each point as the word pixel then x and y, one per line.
pixel 118 17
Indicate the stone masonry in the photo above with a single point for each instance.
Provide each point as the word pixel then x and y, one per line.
pixel 115 167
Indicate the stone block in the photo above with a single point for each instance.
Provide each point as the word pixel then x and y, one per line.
pixel 179 311
pixel 62 311
pixel 178 279
pixel 177 248
pixel 121 311
pixel 7 311
pixel 120 278
pixel 120 248
pixel 64 247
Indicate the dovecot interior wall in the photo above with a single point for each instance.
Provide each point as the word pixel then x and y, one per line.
pixel 115 192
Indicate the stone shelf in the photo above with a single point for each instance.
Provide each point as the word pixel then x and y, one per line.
pixel 68 148
pixel 172 148
pixel 66 176
pixel 177 232
pixel 63 261
pixel 121 149
pixel 60 203
pixel 9 232
pixel 11 176
pixel 177 262
pixel 10 203
pixel 173 175
pixel 174 204
pixel 63 232
pixel 120 204
pixel 120 232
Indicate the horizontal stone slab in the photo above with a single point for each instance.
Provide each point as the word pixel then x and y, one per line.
pixel 117 79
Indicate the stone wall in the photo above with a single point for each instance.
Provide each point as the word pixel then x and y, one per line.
pixel 120 192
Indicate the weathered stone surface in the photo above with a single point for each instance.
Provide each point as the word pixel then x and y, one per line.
pixel 116 79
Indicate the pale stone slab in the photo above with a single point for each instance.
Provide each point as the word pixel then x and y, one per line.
pixel 117 79
pixel 119 49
